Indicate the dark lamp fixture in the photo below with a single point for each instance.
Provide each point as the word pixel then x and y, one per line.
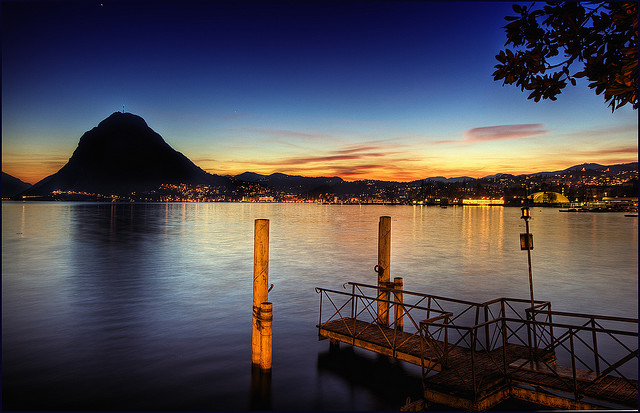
pixel 525 213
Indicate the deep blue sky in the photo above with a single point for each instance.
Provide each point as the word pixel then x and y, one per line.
pixel 360 89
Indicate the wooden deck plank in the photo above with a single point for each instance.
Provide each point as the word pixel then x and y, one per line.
pixel 540 367
pixel 609 389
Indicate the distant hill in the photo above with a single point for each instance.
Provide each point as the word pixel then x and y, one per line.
pixel 123 155
pixel 593 167
pixel 338 186
pixel 443 179
pixel 12 186
pixel 291 183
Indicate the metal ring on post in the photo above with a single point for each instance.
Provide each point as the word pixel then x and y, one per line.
pixel 377 269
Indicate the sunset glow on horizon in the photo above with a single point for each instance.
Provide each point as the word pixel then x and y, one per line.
pixel 361 90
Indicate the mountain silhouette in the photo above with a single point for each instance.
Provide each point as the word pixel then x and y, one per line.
pixel 123 155
pixel 12 186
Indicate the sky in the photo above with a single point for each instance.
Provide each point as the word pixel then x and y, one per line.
pixel 357 89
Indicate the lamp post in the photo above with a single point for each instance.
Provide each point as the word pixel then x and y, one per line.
pixel 526 243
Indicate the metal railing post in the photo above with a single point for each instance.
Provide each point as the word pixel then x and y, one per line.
pixel 446 340
pixel 353 301
pixel 595 344
pixel 552 339
pixel 504 344
pixel 473 362
pixel 535 332
pixel 486 327
pixel 422 338
pixel 573 364
pixel 529 334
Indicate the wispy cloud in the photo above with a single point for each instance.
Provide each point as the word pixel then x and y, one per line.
pixel 619 154
pixel 284 133
pixel 235 115
pixel 353 154
pixel 354 172
pixel 498 132
pixel 326 158
pixel 357 171
pixel 604 132
pixel 501 132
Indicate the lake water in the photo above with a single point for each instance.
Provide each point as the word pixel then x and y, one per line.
pixel 148 306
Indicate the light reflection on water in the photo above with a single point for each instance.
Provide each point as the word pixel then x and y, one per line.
pixel 147 306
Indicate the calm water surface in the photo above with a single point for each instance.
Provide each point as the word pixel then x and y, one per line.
pixel 148 306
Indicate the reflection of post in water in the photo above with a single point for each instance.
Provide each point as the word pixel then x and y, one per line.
pixel 261 339
pixel 260 398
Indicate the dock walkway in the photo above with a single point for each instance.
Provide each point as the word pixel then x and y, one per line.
pixel 475 355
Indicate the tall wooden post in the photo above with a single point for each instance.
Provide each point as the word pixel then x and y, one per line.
pixel 397 298
pixel 260 286
pixel 384 271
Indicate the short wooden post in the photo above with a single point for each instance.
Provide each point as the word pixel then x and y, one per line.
pixel 266 322
pixel 260 284
pixel 397 298
pixel 384 273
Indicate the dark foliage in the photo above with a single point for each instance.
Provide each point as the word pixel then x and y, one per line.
pixel 559 42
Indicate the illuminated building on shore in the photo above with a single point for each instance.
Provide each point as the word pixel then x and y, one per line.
pixel 549 198
pixel 484 202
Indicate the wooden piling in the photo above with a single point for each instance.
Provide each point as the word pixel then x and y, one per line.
pixel 397 299
pixel 384 271
pixel 260 284
pixel 266 322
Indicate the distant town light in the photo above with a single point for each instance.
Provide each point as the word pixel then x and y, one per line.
pixel 497 202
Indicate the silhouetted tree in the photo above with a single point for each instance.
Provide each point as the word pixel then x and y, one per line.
pixel 597 40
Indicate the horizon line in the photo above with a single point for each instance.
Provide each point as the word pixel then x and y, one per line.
pixel 372 179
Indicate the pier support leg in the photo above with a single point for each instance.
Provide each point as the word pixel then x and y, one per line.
pixel 384 271
pixel 260 286
pixel 397 298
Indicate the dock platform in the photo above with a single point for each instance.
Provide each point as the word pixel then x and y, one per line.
pixel 475 355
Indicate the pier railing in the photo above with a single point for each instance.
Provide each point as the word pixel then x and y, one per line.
pixel 484 346
pixel 356 310
pixel 588 349
pixel 479 353
pixel 359 305
pixel 356 313
pixel 572 352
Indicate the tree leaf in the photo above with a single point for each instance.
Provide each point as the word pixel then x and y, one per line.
pixel 600 47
